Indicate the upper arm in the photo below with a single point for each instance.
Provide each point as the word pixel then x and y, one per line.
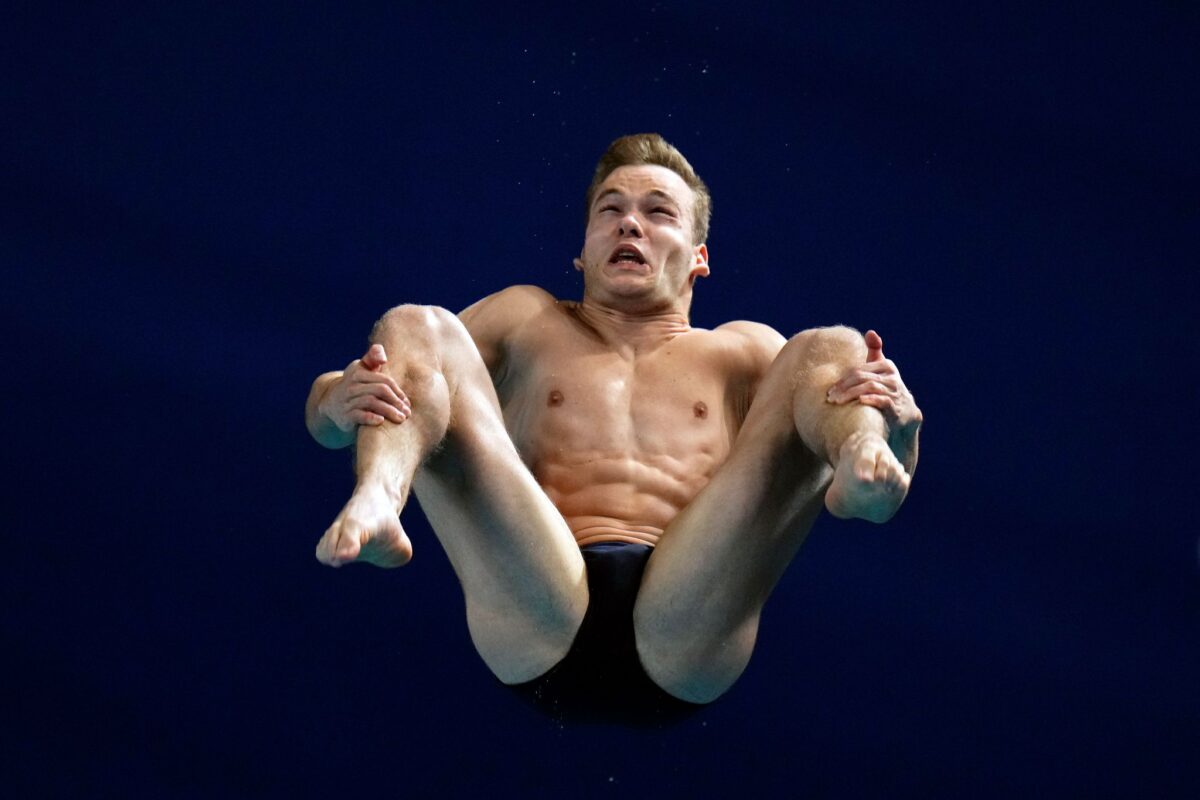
pixel 492 320
pixel 757 344
pixel 754 348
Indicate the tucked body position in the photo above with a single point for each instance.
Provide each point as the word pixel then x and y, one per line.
pixel 617 491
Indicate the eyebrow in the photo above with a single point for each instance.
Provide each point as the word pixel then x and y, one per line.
pixel 652 193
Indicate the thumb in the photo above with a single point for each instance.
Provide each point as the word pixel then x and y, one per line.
pixel 874 346
pixel 375 357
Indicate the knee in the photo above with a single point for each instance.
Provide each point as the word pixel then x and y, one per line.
pixel 414 321
pixel 836 343
pixel 821 355
pixel 699 668
pixel 424 339
pixel 521 646
pixel 414 338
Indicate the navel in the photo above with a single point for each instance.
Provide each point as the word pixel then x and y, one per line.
pixel 700 410
pixel 555 398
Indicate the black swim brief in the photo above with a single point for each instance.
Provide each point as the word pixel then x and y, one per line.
pixel 601 679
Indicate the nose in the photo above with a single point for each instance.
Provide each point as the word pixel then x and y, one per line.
pixel 629 226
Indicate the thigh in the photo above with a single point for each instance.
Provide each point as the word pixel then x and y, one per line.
pixel 601 679
pixel 521 571
pixel 697 614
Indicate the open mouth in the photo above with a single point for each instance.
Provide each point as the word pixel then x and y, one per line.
pixel 627 254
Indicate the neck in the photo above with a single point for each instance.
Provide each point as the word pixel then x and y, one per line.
pixel 633 327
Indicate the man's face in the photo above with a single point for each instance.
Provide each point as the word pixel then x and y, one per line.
pixel 638 244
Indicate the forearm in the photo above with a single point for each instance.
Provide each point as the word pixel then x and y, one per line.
pixel 318 423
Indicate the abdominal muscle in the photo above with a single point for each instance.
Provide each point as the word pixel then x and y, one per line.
pixel 623 498
pixel 620 443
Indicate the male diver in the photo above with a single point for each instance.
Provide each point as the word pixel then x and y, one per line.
pixel 617 491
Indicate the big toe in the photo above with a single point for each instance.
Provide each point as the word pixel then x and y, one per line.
pixel 343 546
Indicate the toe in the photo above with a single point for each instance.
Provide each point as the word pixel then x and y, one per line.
pixel 348 547
pixel 325 547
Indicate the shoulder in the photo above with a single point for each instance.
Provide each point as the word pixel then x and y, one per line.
pixel 494 320
pixel 501 313
pixel 748 349
pixel 515 301
pixel 755 341
pixel 744 350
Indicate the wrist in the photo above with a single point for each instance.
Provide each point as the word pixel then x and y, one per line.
pixel 325 405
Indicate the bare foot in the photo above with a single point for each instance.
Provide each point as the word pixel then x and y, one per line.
pixel 368 530
pixel 869 482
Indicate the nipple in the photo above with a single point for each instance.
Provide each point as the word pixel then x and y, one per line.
pixel 700 409
pixel 555 398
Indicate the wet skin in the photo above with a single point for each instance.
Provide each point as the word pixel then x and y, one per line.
pixel 624 423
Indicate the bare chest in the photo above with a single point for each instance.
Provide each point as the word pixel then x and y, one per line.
pixel 575 403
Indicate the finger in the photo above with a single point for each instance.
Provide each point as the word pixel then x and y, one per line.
pixel 375 358
pixel 381 408
pixel 360 417
pixel 882 402
pixel 882 367
pixel 373 405
pixel 382 391
pixel 874 346
pixel 364 377
pixel 875 371
pixel 860 389
pixel 858 377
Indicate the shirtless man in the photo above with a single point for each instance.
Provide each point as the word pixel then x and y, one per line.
pixel 532 427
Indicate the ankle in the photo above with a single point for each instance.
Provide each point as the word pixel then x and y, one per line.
pixel 393 488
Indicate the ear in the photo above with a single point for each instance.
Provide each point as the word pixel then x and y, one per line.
pixel 700 261
pixel 578 264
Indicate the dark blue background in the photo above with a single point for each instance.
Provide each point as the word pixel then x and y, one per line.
pixel 205 206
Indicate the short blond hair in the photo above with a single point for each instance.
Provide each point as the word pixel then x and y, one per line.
pixel 653 149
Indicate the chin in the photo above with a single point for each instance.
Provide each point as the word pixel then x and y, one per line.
pixel 637 287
